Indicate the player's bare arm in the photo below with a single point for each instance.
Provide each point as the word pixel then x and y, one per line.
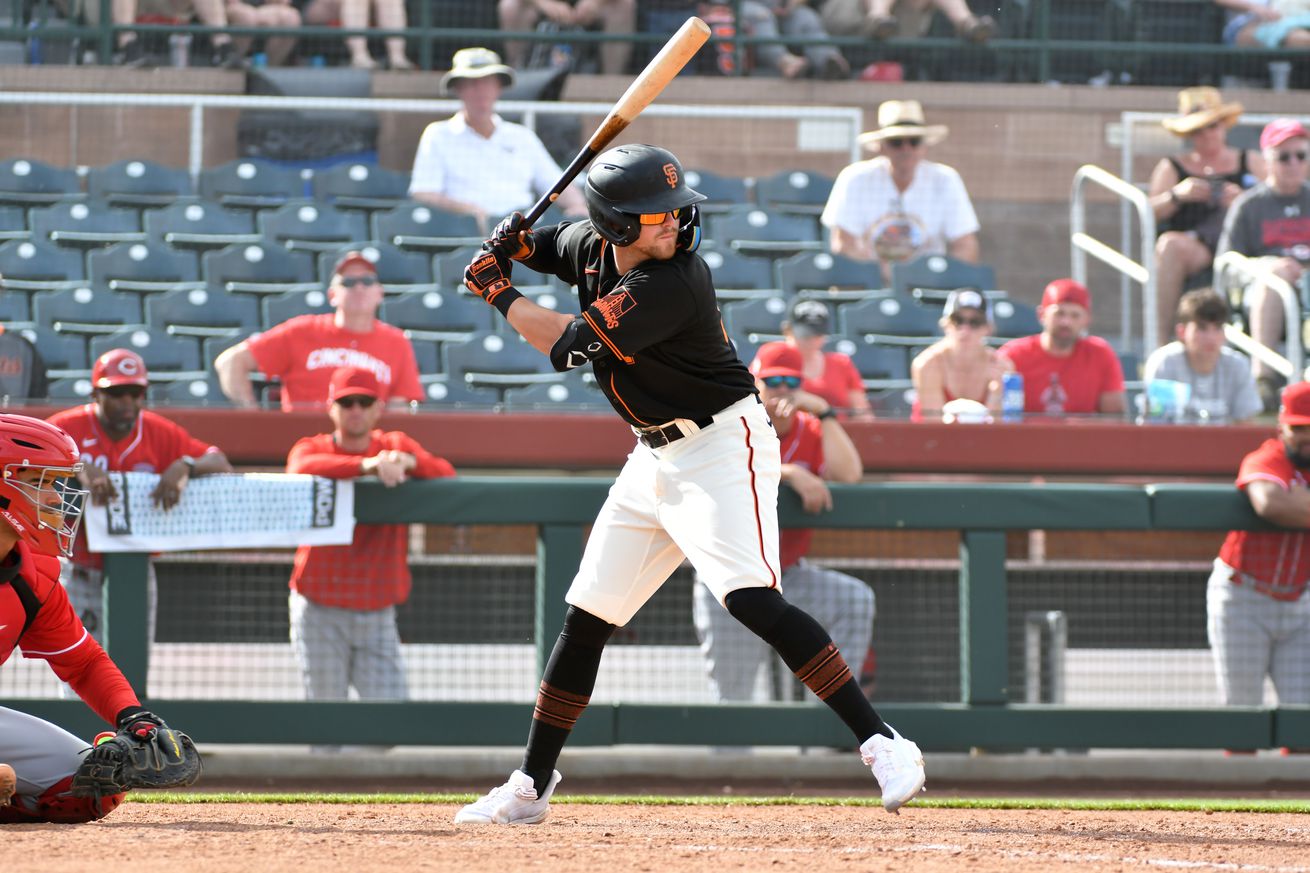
pixel 1287 507
pixel 814 494
pixel 234 367
pixel 95 480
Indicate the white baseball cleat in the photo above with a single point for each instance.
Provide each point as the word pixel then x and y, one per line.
pixel 8 783
pixel 897 765
pixel 515 802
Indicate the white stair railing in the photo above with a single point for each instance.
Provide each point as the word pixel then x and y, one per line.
pixel 1233 270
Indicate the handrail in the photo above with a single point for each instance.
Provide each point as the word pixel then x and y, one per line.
pixel 1291 367
pixel 1082 244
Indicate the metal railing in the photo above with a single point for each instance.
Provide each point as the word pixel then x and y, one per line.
pixel 1233 269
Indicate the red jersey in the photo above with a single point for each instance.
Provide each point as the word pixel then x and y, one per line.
pixel 1277 560
pixel 303 351
pixel 802 446
pixel 29 588
pixel 1092 370
pixel 839 379
pixel 373 571
pixel 151 447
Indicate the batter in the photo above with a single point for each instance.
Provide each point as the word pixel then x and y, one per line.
pixel 701 482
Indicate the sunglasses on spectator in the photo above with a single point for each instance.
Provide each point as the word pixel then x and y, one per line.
pixel 897 142
pixel 352 281
pixel 360 400
pixel 657 217
pixel 1288 157
pixel 792 382
pixel 136 392
pixel 977 322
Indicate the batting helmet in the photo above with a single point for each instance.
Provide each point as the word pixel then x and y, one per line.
pixel 39 494
pixel 633 180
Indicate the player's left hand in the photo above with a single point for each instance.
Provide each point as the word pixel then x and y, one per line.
pixel 488 275
pixel 813 491
pixel 172 482
pixel 511 239
pixel 145 753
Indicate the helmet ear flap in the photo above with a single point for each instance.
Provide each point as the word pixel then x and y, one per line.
pixel 689 229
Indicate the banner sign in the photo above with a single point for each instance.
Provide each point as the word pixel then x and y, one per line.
pixel 252 510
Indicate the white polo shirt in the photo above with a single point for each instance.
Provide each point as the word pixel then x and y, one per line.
pixel 508 170
pixel 934 210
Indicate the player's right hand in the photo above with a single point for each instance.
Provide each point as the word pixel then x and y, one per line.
pixel 99 485
pixel 488 275
pixel 511 239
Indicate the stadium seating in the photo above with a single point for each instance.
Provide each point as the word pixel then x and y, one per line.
pixel 425 228
pixel 197 391
pixel 399 270
pixel 575 390
pixel 13 223
pixel 200 224
pixel 892 403
pixel 757 231
pixel 137 183
pixel 15 308
pixel 72 389
pixel 258 268
pixel 793 191
pixel 144 268
pixel 201 312
pixel 315 227
pixel 762 317
pixel 361 186
pixel 85 224
pixel 738 277
pixel 62 352
pixel 33 265
pixel 162 353
pixel 25 182
pixel 724 193
pixel 876 362
pixel 277 308
pixel 889 318
pixel 438 314
pixel 492 359
pixel 1013 319
pixel 248 183
pixel 451 392
pixel 824 272
pixel 85 310
pixel 932 277
pixel 427 356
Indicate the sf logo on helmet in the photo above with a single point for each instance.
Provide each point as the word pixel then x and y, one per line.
pixel 671 175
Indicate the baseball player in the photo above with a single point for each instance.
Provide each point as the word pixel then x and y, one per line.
pixel 702 480
pixel 1257 608
pixel 115 432
pixel 814 448
pixel 344 598
pixel 46 773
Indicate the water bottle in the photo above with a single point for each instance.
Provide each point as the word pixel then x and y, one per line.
pixel 1054 397
pixel 179 49
pixel 1012 397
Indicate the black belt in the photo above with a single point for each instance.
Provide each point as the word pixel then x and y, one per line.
pixel 656 437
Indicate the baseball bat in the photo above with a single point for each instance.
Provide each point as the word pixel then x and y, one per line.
pixel 646 87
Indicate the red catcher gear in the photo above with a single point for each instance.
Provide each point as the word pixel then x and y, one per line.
pixel 59 805
pixel 39 495
pixel 119 367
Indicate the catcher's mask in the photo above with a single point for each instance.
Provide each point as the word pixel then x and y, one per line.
pixel 40 497
pixel 630 181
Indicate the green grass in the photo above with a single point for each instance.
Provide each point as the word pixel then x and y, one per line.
pixel 1298 806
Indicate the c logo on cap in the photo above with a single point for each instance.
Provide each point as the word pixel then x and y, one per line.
pixel 671 175
pixel 127 366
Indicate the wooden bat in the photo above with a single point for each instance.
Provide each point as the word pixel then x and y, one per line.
pixel 645 88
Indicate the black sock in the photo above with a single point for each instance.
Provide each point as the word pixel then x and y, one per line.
pixel 565 690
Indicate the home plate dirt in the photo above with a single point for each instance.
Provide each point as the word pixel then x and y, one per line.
pixel 305 838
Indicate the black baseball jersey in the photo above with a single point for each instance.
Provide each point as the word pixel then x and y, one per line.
pixel 653 335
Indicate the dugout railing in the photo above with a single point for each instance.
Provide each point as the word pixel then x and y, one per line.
pixel 561 508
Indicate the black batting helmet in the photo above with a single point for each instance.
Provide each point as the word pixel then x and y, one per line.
pixel 632 180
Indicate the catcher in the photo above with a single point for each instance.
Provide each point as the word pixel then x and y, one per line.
pixel 46 773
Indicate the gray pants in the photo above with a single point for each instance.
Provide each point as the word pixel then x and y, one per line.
pixel 41 753
pixel 802 23
pixel 1253 635
pixel 843 604
pixel 338 649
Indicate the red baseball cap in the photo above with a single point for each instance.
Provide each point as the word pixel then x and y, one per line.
pixel 1295 405
pixel 1067 291
pixel 356 258
pixel 353 382
pixel 1279 131
pixel 119 367
pixel 777 359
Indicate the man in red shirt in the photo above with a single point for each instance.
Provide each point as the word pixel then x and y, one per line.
pixel 344 598
pixel 1258 612
pixel 1065 370
pixel 304 351
pixel 115 432
pixel 815 450
pixel 40 507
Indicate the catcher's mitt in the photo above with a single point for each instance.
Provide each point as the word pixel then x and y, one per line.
pixel 145 753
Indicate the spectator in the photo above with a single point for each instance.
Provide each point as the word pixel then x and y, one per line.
pixel 1267 23
pixel 344 598
pixel 793 18
pixel 960 365
pixel 1065 371
pixel 883 19
pixel 614 17
pixel 476 162
pixel 22 371
pixel 1271 222
pixel 1258 613
pixel 303 351
pixel 116 433
pixel 1191 193
pixel 265 13
pixel 1222 389
pixel 354 15
pixel 131 46
pixel 899 205
pixel 829 375
pixel 814 448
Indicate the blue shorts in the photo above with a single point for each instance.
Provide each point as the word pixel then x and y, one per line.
pixel 1270 34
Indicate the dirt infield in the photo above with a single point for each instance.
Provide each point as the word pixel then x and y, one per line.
pixel 268 838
